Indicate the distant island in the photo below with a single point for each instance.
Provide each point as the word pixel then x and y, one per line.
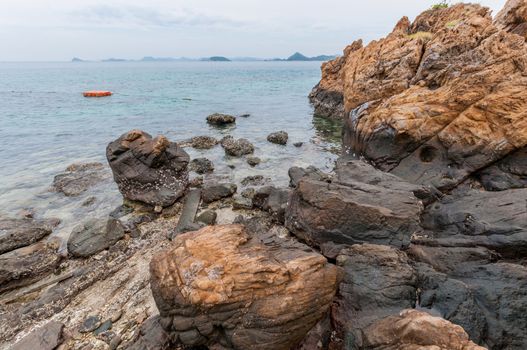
pixel 297 56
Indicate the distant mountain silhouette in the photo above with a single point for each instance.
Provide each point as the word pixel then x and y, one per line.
pixel 297 56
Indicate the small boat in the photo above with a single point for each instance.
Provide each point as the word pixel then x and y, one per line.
pixel 97 93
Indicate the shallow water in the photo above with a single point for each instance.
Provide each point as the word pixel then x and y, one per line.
pixel 46 124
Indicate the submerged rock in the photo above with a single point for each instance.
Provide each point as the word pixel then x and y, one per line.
pixel 16 233
pixel 201 166
pixel 77 178
pixel 224 285
pixel 279 137
pixel 237 148
pixel 253 161
pixel 93 236
pixel 148 170
pixel 203 142
pixel 218 119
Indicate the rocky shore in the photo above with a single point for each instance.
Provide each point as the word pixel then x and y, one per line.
pixel 416 240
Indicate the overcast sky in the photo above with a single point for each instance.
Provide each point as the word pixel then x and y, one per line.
pixel 57 30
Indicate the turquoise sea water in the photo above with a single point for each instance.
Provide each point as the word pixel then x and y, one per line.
pixel 46 124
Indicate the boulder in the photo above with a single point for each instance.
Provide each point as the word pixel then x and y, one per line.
pixel 354 209
pixel 224 285
pixel 77 178
pixel 201 166
pixel 237 148
pixel 413 330
pixel 26 265
pixel 439 99
pixel 215 191
pixel 47 337
pixel 378 281
pixel 273 200
pixel 148 170
pixel 93 236
pixel 279 137
pixel 253 161
pixel 297 173
pixel 16 233
pixel 218 119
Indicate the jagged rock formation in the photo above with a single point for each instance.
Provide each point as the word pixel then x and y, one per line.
pixel 438 99
pixel 227 285
pixel 148 170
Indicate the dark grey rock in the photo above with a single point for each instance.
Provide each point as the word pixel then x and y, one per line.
pixel 297 173
pixel 208 217
pixel 188 213
pixel 508 173
pixel 218 119
pixel 93 236
pixel 16 233
pixel 216 191
pixel 254 180
pixel 253 161
pixel 90 324
pixel 246 115
pixel 242 203
pixel 237 148
pixel 248 192
pixel 105 326
pixel 298 144
pixel 279 137
pixel 47 337
pixel 149 170
pixel 151 337
pixel 201 166
pixel 77 178
pixel 273 200
pixel 328 104
pixel 378 281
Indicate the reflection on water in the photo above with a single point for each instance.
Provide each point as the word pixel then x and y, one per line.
pixel 329 132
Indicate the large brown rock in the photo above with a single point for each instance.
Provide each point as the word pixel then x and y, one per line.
pixel 437 99
pixel 226 285
pixel 417 330
pixel 148 170
pixel 513 17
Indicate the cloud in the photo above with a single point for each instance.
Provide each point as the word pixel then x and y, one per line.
pixel 135 16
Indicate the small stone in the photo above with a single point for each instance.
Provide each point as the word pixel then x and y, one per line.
pixel 196 182
pixel 237 148
pixel 90 324
pixel 253 161
pixel 208 217
pixel 218 119
pixel 158 209
pixel 115 316
pixel 298 144
pixel 214 192
pixel 203 142
pixel 201 166
pixel 115 342
pixel 105 326
pixel 246 115
pixel 279 137
pixel 89 201
pixel 248 193
pixel 231 166
pixel 242 203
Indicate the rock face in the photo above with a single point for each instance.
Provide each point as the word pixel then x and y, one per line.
pixel 224 285
pixel 16 233
pixel 93 236
pixel 413 330
pixel 77 178
pixel 438 99
pixel 513 17
pixel 350 209
pixel 148 170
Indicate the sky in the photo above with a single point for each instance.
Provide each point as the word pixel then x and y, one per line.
pixel 57 30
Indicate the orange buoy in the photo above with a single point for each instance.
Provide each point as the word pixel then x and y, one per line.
pixel 97 93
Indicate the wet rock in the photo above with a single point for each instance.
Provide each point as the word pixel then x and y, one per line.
pixel 25 265
pixel 196 182
pixel 273 200
pixel 208 217
pixel 279 137
pixel 93 236
pixel 253 161
pixel 246 115
pixel 298 144
pixel 90 324
pixel 297 173
pixel 353 210
pixel 77 178
pixel 47 337
pixel 218 119
pixel 378 281
pixel 203 142
pixel 237 148
pixel 412 329
pixel 242 203
pixel 186 220
pixel 89 201
pixel 248 192
pixel 148 170
pixel 16 233
pixel 254 180
pixel 201 166
pixel 286 289
pixel 216 191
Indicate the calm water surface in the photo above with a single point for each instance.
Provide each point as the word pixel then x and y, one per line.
pixel 46 124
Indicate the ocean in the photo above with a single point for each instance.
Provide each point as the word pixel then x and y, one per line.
pixel 46 123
